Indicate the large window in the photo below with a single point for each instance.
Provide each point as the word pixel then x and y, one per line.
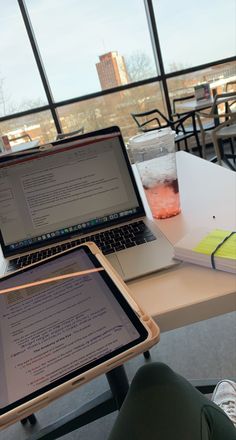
pixel 72 35
pixel 112 109
pixel 195 32
pixel 218 76
pixel 20 83
pixel 68 64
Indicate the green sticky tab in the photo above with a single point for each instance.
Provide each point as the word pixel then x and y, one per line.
pixel 209 243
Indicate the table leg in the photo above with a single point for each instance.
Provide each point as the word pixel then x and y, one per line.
pixel 196 135
pixel 119 384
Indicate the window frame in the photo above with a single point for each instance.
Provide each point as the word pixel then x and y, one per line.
pixel 161 78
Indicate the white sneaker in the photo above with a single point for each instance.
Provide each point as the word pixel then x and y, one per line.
pixel 225 397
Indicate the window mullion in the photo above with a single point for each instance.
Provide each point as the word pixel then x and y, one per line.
pixel 39 62
pixel 157 51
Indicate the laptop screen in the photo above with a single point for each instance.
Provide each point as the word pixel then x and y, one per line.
pixel 68 190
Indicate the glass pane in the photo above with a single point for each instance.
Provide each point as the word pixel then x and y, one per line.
pixel 74 36
pixel 222 78
pixel 113 109
pixel 20 83
pixel 39 126
pixel 194 33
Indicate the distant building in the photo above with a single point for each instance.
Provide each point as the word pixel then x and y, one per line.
pixel 112 70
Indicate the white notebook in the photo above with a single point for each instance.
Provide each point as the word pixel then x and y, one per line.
pixel 199 247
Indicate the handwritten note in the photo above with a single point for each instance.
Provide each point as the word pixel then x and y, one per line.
pixel 209 243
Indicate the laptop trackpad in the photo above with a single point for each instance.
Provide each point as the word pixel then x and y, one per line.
pixel 145 259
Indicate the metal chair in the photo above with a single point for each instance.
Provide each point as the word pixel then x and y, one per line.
pixel 70 134
pixel 218 117
pixel 226 130
pixel 180 100
pixel 159 120
pixel 194 126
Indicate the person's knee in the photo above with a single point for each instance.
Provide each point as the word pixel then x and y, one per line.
pixel 153 373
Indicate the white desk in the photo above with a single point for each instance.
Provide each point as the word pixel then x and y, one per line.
pixel 194 106
pixel 190 293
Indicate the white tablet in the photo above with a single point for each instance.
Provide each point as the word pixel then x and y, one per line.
pixel 64 321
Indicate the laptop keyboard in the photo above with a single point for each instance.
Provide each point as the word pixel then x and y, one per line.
pixel 108 242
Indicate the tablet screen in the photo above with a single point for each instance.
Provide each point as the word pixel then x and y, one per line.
pixel 56 329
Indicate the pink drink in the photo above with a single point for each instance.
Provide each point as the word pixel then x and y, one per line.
pixel 163 198
pixel 154 156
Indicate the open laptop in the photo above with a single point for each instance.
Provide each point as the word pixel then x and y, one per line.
pixel 77 190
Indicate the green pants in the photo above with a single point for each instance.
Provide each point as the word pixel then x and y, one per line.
pixel 161 405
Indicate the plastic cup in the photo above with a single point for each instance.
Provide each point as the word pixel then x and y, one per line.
pixel 154 155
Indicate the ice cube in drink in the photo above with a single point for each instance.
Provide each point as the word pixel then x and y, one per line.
pixel 163 198
pixel 160 183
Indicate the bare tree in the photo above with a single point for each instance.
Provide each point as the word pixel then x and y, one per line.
pixel 3 98
pixel 140 66
pixel 174 67
pixel 28 104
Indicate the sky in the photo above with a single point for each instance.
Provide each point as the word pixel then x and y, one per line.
pixel 71 34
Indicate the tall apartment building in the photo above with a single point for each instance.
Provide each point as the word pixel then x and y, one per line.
pixel 112 70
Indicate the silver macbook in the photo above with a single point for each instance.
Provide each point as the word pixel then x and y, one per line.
pixel 80 189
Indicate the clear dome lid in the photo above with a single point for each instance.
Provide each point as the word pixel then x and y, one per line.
pixel 151 138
